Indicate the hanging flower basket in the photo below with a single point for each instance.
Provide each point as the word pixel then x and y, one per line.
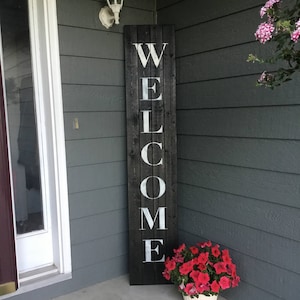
pixel 282 28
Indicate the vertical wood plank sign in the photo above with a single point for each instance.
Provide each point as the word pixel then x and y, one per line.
pixel 151 149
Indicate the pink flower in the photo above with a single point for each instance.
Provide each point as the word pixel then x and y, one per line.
pixel 263 11
pixel 295 35
pixel 269 4
pixel 298 24
pixel 264 32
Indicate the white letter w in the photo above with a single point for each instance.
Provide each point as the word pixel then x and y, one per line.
pixel 152 52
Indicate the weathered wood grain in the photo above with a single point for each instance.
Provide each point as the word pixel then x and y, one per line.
pixel 142 270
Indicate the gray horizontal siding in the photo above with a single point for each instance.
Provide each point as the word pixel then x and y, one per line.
pixel 217 64
pixel 85 14
pixel 87 254
pixel 88 153
pixel 268 154
pixel 96 227
pixel 81 98
pixel 206 94
pixel 272 218
pixel 95 125
pixel 259 184
pixel 238 146
pixel 92 177
pixel 92 71
pixel 95 202
pixel 228 25
pixel 251 241
pixel 74 42
pixel 278 122
pixel 195 12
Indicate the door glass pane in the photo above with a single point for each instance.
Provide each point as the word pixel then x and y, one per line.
pixel 21 115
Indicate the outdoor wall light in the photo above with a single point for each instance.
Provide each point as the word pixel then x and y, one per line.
pixel 111 13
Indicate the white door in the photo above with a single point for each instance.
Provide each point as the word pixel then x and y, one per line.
pixel 24 116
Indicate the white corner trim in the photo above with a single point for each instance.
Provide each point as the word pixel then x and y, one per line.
pixel 59 133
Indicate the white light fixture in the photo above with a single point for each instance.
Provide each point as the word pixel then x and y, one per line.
pixel 111 13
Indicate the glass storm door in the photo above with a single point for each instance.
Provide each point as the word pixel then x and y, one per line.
pixel 30 209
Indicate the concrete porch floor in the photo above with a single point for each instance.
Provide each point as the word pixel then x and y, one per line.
pixel 119 289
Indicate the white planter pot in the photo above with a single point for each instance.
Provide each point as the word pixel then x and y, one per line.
pixel 201 297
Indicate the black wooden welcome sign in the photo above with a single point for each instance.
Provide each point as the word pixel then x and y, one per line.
pixel 151 149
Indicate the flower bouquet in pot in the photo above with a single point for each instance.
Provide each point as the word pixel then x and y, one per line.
pixel 201 271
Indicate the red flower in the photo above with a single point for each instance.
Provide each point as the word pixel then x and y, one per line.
pixel 205 244
pixel 190 289
pixel 201 267
pixel 235 281
pixel 178 258
pixel 220 267
pixel 202 258
pixel 194 275
pixel 224 283
pixel 170 264
pixel 225 256
pixel 194 250
pixel 215 287
pixel 166 275
pixel 231 269
pixel 215 251
pixel 180 248
pixel 203 278
pixel 202 288
pixel 186 267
